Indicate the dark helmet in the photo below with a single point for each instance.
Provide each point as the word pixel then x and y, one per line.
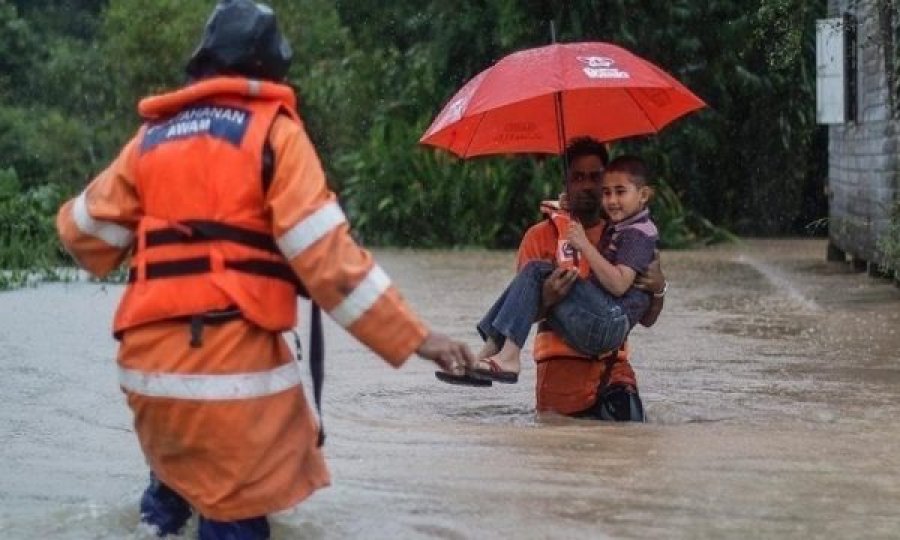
pixel 241 37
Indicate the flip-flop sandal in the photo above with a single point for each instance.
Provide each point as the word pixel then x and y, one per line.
pixel 496 373
pixel 467 379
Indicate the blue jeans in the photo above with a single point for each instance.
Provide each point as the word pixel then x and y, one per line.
pixel 589 319
pixel 168 512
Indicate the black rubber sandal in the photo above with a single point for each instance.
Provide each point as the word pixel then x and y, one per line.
pixel 466 379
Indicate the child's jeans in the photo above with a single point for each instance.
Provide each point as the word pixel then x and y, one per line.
pixel 589 319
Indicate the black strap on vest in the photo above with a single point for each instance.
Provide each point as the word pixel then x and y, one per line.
pixel 317 363
pixel 199 231
pixel 196 231
pixel 268 166
pixel 213 317
pixel 202 265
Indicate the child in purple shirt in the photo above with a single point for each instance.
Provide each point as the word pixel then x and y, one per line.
pixel 597 314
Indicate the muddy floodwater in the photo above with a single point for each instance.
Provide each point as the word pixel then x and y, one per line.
pixel 771 382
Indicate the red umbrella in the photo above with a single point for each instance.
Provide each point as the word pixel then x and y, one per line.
pixel 533 100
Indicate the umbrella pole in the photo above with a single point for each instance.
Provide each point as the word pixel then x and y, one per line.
pixel 560 121
pixel 561 132
pixel 561 135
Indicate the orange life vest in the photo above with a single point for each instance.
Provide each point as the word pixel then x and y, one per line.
pixel 204 242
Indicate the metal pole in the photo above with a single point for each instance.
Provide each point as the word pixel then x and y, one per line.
pixel 560 121
pixel 561 134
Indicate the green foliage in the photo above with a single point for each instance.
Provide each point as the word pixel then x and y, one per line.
pixel 371 75
pixel 27 230
pixel 44 146
pixel 680 227
pixel 17 47
pixel 147 44
pixel 434 199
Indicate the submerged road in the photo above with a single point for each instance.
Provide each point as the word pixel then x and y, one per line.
pixel 772 384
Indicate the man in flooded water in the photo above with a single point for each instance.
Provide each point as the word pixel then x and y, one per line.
pixel 568 382
pixel 222 204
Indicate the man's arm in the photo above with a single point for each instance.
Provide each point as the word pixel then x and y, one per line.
pixel 97 227
pixel 343 278
pixel 654 282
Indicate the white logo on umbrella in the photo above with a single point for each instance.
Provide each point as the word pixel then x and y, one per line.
pixel 455 110
pixel 601 67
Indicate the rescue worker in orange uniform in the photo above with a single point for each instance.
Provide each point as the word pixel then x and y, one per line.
pixel 221 203
pixel 567 381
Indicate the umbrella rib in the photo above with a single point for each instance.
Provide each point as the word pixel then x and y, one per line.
pixel 641 108
pixel 472 138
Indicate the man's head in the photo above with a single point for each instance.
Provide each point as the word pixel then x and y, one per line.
pixel 586 159
pixel 624 187
pixel 241 38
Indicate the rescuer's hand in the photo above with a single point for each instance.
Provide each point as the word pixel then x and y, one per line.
pixel 452 356
pixel 653 281
pixel 557 285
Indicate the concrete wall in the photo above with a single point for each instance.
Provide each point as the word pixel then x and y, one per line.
pixel 863 155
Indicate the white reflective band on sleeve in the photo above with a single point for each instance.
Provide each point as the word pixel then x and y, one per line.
pixel 306 232
pixel 362 298
pixel 111 233
pixel 211 387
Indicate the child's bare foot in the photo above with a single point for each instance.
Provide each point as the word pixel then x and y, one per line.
pixel 502 367
pixel 490 348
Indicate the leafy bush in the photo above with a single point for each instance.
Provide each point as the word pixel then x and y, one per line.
pixel 680 227
pixel 428 198
pixel 28 242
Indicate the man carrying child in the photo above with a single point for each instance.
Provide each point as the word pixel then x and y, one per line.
pixel 582 278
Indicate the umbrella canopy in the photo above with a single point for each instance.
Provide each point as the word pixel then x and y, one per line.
pixel 535 100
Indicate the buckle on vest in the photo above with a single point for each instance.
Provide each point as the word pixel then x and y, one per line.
pixel 198 321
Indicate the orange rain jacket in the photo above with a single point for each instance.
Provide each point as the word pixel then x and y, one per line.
pixel 567 380
pixel 226 424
